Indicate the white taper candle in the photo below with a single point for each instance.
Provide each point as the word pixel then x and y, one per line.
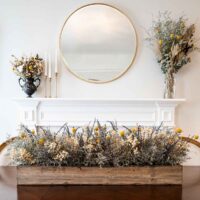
pixel 56 61
pixel 46 65
pixel 50 75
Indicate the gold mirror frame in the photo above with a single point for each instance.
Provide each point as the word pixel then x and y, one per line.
pixel 123 71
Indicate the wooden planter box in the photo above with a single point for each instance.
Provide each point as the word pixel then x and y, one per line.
pixel 163 175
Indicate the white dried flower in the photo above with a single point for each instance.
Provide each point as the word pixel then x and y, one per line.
pixel 20 68
pixel 61 155
pixel 51 146
pixel 24 155
pixel 85 138
pixel 175 50
pixel 89 147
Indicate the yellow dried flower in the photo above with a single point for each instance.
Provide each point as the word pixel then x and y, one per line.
pixel 160 42
pixel 178 130
pixel 96 128
pixel 171 35
pixel 196 136
pixel 30 67
pixel 178 37
pixel 41 141
pixel 74 130
pixel 108 137
pixel 33 132
pixel 122 133
pixel 134 130
pixel 22 135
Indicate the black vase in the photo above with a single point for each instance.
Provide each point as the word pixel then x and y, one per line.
pixel 29 85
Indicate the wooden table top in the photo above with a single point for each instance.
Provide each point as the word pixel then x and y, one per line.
pixel 189 191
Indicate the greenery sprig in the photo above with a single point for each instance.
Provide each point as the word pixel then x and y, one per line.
pixel 173 40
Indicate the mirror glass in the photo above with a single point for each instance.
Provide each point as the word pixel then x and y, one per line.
pixel 98 43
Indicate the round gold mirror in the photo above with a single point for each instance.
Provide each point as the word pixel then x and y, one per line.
pixel 98 43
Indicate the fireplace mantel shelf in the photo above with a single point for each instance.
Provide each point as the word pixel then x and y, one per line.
pixel 56 111
pixel 100 100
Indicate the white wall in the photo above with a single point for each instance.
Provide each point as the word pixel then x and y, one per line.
pixel 33 26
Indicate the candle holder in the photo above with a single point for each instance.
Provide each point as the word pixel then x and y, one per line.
pixel 56 82
pixel 49 87
pixel 45 86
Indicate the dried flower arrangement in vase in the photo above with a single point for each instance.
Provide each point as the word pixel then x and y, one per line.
pixel 173 41
pixel 29 69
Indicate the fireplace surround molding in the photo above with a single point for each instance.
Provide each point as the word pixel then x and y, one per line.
pixel 54 112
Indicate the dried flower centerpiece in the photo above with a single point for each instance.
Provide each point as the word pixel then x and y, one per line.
pixel 173 41
pixel 157 152
pixel 99 146
pixel 29 69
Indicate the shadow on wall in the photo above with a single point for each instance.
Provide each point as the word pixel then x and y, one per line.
pixel 187 86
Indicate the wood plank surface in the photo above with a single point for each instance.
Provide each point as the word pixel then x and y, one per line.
pixel 163 175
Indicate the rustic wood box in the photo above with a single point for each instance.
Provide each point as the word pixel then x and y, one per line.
pixel 158 175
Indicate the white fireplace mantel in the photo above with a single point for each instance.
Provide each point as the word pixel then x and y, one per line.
pixel 55 112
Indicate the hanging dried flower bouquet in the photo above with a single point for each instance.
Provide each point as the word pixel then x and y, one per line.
pixel 173 41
